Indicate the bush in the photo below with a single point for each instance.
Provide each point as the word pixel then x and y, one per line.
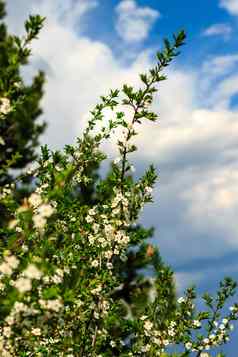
pixel 60 257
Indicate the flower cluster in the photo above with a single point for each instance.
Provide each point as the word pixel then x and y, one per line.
pixel 42 210
pixel 5 106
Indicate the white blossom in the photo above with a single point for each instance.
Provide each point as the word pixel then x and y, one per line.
pixel 12 261
pixel 7 331
pixel 197 323
pixel 181 300
pixel 39 221
pixel 32 272
pixel 95 263
pixel 5 269
pixel 36 331
pixel 148 325
pixel 23 285
pixel 46 210
pixel 35 200
pixel 5 105
pixel 188 345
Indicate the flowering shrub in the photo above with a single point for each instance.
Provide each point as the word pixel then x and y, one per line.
pixel 60 257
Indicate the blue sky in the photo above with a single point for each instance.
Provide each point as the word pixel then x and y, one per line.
pixel 89 46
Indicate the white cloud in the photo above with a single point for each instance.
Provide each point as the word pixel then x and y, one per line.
pixel 68 13
pixel 220 65
pixel 213 200
pixel 230 5
pixel 134 22
pixel 225 91
pixel 218 30
pixel 201 128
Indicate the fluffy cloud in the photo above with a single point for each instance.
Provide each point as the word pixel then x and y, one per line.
pixel 220 65
pixel 134 22
pixel 230 5
pixel 68 13
pixel 214 198
pixel 223 30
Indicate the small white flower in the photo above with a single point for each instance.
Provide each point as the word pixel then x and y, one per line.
pixel 196 323
pixel 30 171
pixel 143 317
pixel 148 325
pixel 97 290
pixel 56 279
pixel 109 265
pixel 95 227
pixel 10 320
pixel 5 269
pixel 108 254
pixel 113 344
pixel 39 221
pixel 91 239
pixel 23 285
pixel 54 305
pixel 19 307
pixel 60 272
pixel 145 348
pixel 89 219
pixel 12 261
pixel 92 212
pixel 32 272
pixel 148 190
pixel 188 345
pixel 35 200
pixel 5 106
pixel 58 168
pixel 181 300
pixel 46 210
pixel 96 315
pixel 7 331
pixel 24 248
pixel 95 263
pixel 171 332
pixel 36 331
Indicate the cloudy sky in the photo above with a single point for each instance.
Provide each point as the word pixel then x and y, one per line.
pixel 89 46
